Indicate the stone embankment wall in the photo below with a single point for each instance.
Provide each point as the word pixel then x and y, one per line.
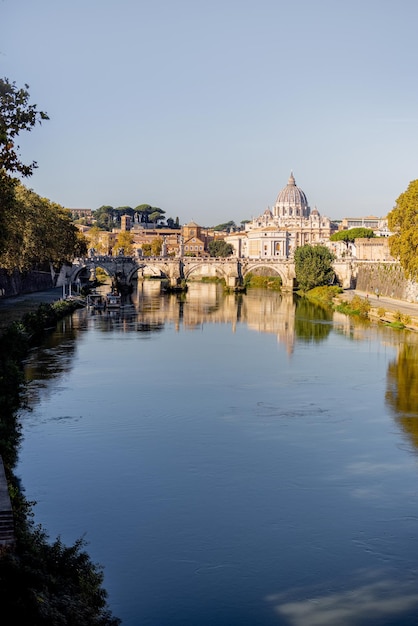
pixel 386 279
pixel 27 282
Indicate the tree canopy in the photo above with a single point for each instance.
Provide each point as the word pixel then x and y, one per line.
pixel 219 247
pixel 16 115
pixel 313 266
pixel 38 231
pixel 352 234
pixel 226 226
pixel 403 222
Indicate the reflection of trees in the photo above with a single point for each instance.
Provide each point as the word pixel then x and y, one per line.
pixel 54 357
pixel 402 389
pixel 312 322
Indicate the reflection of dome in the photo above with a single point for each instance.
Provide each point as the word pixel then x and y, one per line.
pixel 291 201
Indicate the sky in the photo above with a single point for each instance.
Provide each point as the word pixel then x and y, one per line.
pixel 204 107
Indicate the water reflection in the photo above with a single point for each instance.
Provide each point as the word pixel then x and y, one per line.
pixel 53 359
pixel 402 389
pixel 305 330
pixel 372 597
pixel 284 315
pixel 251 487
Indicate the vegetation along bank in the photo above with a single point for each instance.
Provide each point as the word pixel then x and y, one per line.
pixel 42 582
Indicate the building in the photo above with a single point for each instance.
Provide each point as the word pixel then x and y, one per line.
pixel 77 214
pixel 194 240
pixel 280 230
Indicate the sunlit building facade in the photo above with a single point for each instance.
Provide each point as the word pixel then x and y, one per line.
pixel 280 230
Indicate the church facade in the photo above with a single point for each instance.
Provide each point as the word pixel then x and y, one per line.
pixel 290 223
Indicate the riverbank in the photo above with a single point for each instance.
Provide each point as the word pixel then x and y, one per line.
pixel 41 582
pixel 385 309
pixel 14 308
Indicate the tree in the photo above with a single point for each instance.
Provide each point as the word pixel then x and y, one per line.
pixel 156 246
pixel 119 211
pixel 219 247
pixel 403 222
pixel 16 115
pixel 226 226
pixel 350 235
pixel 156 215
pixel 313 266
pixel 125 241
pixel 144 211
pixel 104 217
pixel 39 232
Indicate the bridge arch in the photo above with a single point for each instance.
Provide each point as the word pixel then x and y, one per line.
pixel 80 268
pixel 202 269
pixel 257 267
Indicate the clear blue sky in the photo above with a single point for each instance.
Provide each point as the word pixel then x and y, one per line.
pixel 203 107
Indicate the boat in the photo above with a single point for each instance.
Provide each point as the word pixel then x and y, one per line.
pixel 96 300
pixel 113 300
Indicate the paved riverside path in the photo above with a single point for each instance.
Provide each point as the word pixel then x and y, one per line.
pixel 14 308
pixel 390 305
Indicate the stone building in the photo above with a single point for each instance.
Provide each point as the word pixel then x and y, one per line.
pixel 280 230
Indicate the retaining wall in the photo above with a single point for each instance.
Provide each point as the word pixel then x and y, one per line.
pixel 387 279
pixel 27 282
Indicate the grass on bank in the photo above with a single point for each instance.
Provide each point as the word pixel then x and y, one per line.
pixel 357 306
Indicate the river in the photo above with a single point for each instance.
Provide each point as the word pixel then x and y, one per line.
pixel 231 459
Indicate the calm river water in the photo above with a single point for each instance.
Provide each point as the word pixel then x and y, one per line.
pixel 231 460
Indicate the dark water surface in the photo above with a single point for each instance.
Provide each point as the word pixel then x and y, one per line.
pixel 231 460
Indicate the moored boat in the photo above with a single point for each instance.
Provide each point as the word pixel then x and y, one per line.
pixel 96 301
pixel 113 300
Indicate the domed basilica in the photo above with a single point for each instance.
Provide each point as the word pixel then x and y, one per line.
pixel 278 231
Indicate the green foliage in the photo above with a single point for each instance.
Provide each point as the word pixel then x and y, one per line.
pixel 266 282
pixel 312 322
pixel 352 234
pixel 38 232
pixel 402 388
pixel 401 319
pixel 16 115
pixel 146 210
pixel 381 311
pixel 103 217
pixel 41 583
pixel 156 215
pixel 313 266
pixel 156 246
pixel 356 306
pixel 146 249
pixel 403 222
pixel 219 248
pixel 171 223
pixel 49 583
pixel 228 226
pixel 324 295
pixel 125 242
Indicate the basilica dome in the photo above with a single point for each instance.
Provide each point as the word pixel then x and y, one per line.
pixel 291 201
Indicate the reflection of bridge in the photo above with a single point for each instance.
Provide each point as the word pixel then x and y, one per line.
pixel 123 269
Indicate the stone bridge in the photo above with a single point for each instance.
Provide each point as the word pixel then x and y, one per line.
pixel 123 269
